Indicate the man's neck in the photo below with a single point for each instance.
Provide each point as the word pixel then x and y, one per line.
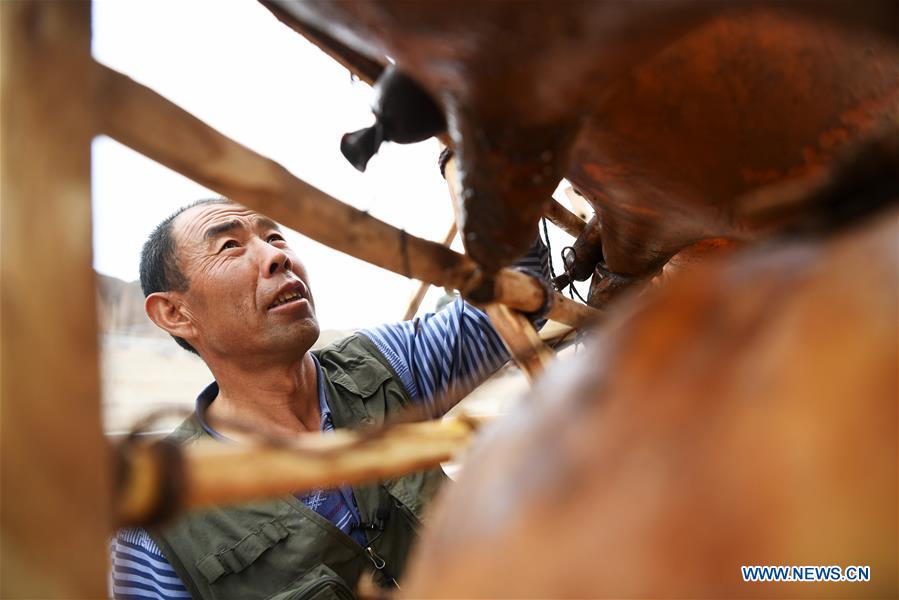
pixel 275 399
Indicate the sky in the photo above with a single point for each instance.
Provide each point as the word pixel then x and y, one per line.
pixel 234 66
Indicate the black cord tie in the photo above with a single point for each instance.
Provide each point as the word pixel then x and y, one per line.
pixel 572 290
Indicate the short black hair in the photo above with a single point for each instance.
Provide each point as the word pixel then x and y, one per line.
pixel 159 270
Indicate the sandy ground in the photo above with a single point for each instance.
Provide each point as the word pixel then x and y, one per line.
pixel 142 374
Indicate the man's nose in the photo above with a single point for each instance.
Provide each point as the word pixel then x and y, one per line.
pixel 274 259
pixel 275 265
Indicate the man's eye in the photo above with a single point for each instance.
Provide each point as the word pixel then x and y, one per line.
pixel 275 237
pixel 230 244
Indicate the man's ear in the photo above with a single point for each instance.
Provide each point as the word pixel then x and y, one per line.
pixel 169 313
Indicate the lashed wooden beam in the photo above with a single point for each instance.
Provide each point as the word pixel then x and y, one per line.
pixel 53 460
pixel 160 480
pixel 521 340
pixel 142 119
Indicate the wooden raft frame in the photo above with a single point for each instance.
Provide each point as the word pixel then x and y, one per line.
pixel 57 469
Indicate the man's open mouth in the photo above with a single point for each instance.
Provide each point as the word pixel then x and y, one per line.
pixel 285 298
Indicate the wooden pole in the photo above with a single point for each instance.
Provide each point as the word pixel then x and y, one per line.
pixel 213 473
pixel 422 289
pixel 142 119
pixel 54 492
pixel 521 339
pixel 579 204
pixel 564 219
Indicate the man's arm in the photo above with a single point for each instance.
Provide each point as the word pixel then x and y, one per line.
pixel 453 350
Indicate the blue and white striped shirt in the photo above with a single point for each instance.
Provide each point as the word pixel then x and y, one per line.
pixel 451 350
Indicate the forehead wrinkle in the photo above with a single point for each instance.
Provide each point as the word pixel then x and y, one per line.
pixel 189 225
pixel 259 222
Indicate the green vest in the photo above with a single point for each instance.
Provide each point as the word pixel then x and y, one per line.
pixel 282 550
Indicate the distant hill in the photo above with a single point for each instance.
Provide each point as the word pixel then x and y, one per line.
pixel 120 307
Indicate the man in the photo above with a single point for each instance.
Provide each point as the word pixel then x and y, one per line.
pixel 222 281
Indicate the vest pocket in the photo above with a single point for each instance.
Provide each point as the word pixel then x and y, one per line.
pixel 320 583
pixel 242 554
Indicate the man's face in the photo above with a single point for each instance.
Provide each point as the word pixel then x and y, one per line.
pixel 248 293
